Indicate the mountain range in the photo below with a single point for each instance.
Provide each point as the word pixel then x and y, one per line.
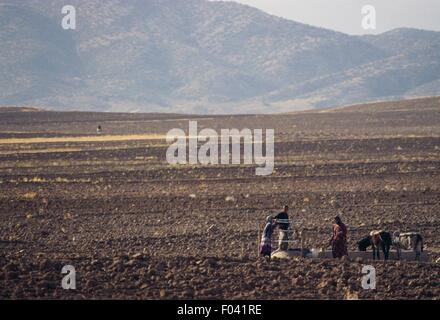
pixel 198 56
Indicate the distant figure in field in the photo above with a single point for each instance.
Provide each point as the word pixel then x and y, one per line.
pixel 99 129
pixel 266 238
pixel 282 220
pixel 339 238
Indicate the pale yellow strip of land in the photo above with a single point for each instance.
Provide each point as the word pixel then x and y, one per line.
pixel 83 139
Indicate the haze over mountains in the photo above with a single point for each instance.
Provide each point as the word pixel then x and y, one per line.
pixel 195 56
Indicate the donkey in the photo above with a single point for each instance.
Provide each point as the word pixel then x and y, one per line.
pixel 378 239
pixel 408 241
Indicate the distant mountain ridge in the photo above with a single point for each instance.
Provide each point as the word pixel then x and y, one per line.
pixel 197 56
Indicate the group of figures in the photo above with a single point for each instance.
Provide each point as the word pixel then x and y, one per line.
pixel 378 239
pixel 338 241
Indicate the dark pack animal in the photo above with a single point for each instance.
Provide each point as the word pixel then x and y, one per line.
pixel 378 240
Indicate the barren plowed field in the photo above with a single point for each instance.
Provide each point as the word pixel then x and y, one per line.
pixel 134 226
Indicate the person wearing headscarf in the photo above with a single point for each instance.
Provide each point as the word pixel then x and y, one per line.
pixel 266 238
pixel 339 238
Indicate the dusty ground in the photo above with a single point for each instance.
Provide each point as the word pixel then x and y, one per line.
pixel 135 227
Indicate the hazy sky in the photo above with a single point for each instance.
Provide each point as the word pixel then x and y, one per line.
pixel 345 15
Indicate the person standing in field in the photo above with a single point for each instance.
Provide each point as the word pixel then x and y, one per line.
pixel 282 220
pixel 339 238
pixel 266 238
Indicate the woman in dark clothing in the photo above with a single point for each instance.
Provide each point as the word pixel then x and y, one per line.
pixel 339 239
